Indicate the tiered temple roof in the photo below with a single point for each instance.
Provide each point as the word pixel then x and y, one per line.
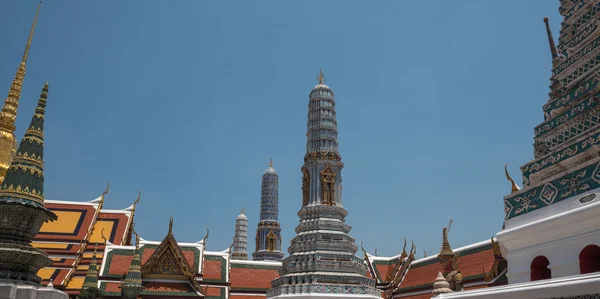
pixel 70 240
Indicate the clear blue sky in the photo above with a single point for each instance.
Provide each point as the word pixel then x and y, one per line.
pixel 187 100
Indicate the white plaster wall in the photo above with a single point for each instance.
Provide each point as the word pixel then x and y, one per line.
pixel 551 288
pixel 559 237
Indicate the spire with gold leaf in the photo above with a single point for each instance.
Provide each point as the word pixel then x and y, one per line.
pixel 8 115
pixel 131 286
pixel 22 210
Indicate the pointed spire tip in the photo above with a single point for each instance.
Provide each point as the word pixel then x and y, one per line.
pixel 28 46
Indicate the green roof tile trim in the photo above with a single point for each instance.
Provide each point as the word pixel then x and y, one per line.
pixel 109 259
pixel 570 114
pixel 261 267
pixel 574 9
pixel 575 94
pixel 223 268
pixel 564 154
pixel 577 182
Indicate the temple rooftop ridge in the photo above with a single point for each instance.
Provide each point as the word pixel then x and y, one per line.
pixel 433 256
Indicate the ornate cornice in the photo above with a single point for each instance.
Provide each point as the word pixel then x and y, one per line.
pixel 575 94
pixel 559 189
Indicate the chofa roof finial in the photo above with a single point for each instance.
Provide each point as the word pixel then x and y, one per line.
pixel 514 187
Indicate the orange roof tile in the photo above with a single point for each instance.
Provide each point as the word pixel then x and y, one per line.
pixel 469 264
pixel 119 264
pixel 250 278
pixel 212 269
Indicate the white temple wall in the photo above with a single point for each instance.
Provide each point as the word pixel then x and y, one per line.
pixel 560 238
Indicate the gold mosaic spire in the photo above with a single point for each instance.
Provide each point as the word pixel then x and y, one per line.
pixel 8 115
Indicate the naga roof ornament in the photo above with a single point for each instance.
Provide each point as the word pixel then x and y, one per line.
pixel 129 235
pixel 514 186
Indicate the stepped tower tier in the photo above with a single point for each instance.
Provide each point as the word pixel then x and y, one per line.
pixel 561 185
pixel 268 233
pixel 322 261
pixel 22 210
pixel 240 244
pixel 8 115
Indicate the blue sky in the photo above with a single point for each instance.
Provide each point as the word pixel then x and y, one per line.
pixel 188 100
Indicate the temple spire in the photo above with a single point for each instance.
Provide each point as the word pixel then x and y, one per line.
pixel 28 46
pixel 22 211
pixel 240 247
pixel 8 115
pixel 91 277
pixel 551 40
pixel 268 232
pixel 131 286
pixel 28 186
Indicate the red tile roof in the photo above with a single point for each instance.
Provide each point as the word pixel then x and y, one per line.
pixel 249 278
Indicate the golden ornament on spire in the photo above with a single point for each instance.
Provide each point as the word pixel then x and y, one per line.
pixel 514 187
pixel 321 77
pixel 446 251
pixel 8 115
pixel 242 210
pixel 270 163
